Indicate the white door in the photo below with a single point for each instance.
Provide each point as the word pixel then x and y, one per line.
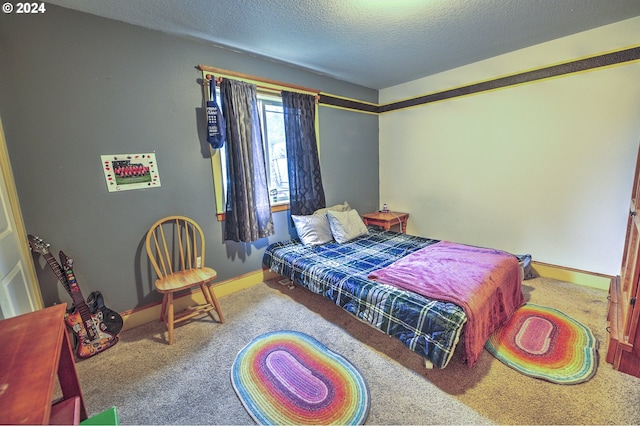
pixel 19 290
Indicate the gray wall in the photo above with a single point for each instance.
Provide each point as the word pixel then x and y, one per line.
pixel 74 87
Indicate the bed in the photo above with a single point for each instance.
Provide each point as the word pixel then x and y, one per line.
pixel 340 272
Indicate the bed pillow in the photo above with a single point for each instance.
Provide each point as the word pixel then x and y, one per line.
pixel 338 207
pixel 313 229
pixel 346 226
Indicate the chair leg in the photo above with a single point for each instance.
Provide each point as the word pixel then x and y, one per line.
pixel 212 299
pixel 169 321
pixel 207 296
pixel 163 310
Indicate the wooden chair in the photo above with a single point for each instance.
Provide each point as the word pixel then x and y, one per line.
pixel 176 248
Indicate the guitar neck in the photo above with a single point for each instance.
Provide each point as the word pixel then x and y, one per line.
pixel 81 305
pixel 55 266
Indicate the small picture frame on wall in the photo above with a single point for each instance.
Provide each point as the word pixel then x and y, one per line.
pixel 124 172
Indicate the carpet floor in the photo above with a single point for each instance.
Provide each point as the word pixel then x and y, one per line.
pixel 189 382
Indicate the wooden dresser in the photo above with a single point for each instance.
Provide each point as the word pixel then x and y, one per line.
pixel 624 309
pixel 34 352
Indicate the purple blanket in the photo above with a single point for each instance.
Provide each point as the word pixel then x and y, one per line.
pixel 484 282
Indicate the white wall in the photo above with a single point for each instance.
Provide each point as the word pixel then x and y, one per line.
pixel 544 168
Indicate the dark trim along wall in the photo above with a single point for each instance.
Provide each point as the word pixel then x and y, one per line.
pixel 580 65
pixel 348 104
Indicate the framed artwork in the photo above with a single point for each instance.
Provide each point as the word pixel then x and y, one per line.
pixel 130 171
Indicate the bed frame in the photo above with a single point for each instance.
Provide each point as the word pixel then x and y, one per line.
pixel 339 272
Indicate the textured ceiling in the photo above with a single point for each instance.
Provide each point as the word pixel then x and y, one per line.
pixel 374 43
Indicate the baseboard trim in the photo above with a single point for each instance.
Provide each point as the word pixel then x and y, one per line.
pixel 576 276
pixel 145 314
pixel 148 313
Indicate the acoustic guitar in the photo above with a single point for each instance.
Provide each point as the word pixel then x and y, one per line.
pixel 89 328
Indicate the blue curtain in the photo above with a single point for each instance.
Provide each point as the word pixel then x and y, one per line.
pixel 248 213
pixel 306 192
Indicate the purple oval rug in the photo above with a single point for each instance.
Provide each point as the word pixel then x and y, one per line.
pixel 287 377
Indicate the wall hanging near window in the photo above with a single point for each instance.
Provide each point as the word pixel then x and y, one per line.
pixel 215 121
pixel 130 171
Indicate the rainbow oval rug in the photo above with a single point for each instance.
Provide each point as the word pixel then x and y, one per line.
pixel 543 342
pixel 287 377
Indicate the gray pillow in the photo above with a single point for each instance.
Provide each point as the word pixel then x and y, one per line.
pixel 346 226
pixel 313 229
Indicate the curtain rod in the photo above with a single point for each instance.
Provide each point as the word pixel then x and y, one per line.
pixel 215 70
pixel 217 80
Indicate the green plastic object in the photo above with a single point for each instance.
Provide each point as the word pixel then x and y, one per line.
pixel 107 417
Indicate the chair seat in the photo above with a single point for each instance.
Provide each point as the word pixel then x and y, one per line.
pixel 185 279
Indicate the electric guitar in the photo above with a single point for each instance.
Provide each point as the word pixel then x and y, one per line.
pixel 89 328
pixel 111 319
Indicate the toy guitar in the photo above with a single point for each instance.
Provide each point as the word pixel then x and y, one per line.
pixel 111 319
pixel 89 328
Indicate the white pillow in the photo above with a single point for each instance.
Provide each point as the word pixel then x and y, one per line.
pixel 312 229
pixel 346 226
pixel 338 207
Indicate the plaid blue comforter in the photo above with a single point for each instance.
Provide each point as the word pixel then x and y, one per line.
pixel 339 272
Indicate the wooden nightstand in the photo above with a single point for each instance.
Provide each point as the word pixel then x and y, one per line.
pixel 32 367
pixel 386 220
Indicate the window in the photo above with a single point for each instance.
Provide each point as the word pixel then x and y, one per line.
pixel 275 148
pixel 272 121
